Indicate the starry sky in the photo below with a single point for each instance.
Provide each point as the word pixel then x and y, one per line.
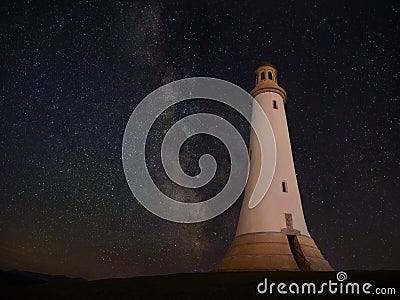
pixel 72 73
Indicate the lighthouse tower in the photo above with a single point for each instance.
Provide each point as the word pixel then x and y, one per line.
pixel 273 235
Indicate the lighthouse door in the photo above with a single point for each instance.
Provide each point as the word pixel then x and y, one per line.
pixel 295 248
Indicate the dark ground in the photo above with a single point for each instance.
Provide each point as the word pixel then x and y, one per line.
pixel 189 286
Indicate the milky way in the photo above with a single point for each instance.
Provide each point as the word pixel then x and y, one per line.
pixel 72 74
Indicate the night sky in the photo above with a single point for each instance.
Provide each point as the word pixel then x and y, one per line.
pixel 71 75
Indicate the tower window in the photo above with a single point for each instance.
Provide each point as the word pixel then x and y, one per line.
pixel 269 75
pixel 262 76
pixel 275 104
pixel 284 187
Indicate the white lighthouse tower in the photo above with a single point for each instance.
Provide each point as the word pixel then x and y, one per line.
pixel 272 233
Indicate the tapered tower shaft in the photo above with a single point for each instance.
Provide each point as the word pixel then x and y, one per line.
pixel 273 234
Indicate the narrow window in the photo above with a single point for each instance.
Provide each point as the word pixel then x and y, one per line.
pixel 284 187
pixel 262 76
pixel 275 104
pixel 269 75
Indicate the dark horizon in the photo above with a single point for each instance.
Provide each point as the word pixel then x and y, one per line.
pixel 73 73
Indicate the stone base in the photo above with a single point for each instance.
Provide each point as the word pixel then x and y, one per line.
pixel 271 251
